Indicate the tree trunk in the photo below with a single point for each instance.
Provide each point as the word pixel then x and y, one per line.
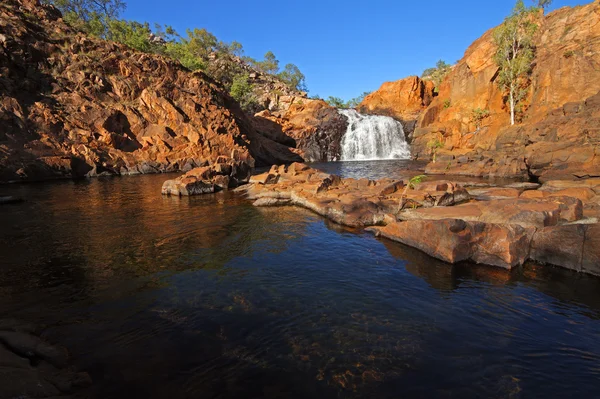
pixel 512 106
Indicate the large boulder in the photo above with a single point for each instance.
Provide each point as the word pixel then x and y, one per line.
pixel 455 240
pixel 222 175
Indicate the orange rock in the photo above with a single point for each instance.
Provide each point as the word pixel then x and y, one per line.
pixel 534 194
pixel 582 193
pixel 404 99
pixel 108 109
pixel 454 240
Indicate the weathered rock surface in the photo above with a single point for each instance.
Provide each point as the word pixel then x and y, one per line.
pixel 312 127
pixel 270 92
pixel 447 221
pixel 221 175
pixel 404 100
pixel 33 368
pixel 74 106
pixel 456 240
pixel 351 202
pixel 558 137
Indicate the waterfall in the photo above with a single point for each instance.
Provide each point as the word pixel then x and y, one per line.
pixel 370 137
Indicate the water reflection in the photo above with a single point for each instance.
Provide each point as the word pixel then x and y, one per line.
pixel 211 297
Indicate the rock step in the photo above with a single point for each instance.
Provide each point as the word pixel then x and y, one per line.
pixel 497 226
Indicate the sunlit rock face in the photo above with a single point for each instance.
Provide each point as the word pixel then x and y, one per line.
pixel 76 106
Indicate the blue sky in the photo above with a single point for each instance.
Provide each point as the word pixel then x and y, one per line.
pixel 343 47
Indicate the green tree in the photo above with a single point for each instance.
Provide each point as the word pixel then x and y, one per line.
pixel 514 55
pixel 292 76
pixel 243 92
pixel 270 64
pixel 133 34
pixel 543 3
pixel 91 16
pixel 355 102
pixel 437 74
pixel 336 102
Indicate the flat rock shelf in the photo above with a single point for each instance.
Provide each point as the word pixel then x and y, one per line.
pixel 554 223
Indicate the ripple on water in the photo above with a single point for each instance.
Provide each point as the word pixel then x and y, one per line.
pixel 209 296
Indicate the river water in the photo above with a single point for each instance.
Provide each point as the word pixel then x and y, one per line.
pixel 209 297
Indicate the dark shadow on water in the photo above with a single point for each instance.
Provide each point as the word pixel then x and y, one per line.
pixel 210 297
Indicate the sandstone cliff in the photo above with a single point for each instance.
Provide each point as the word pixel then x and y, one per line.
pixel 558 135
pixel 404 100
pixel 75 106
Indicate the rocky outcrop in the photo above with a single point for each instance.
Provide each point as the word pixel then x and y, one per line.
pixel 270 92
pixel 222 175
pixel 498 226
pixel 32 368
pixel 351 202
pixel 558 135
pixel 74 106
pixel 312 127
pixel 404 100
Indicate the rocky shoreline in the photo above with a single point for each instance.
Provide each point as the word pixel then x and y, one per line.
pixel 555 223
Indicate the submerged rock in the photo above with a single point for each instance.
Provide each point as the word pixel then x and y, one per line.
pixel 32 367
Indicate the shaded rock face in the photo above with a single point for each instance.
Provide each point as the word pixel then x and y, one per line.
pixel 404 100
pixel 312 127
pixel 74 106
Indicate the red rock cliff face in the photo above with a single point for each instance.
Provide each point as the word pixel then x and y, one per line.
pixel 404 100
pixel 76 106
pixel 558 136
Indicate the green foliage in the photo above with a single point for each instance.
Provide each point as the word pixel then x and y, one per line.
pixel 242 91
pixel 195 51
pixel 336 102
pixel 437 74
pixel 412 182
pixel 292 76
pixel 415 180
pixel 569 54
pixel 352 103
pixel 91 16
pixel 543 3
pixel 478 115
pixel 132 34
pixel 269 65
pixel 447 103
pixel 434 145
pixel 514 55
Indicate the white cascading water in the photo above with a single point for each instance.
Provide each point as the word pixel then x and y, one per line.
pixel 372 137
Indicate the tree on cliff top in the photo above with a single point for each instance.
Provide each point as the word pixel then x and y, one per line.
pixel 437 74
pixel 514 55
pixel 293 77
pixel 543 3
